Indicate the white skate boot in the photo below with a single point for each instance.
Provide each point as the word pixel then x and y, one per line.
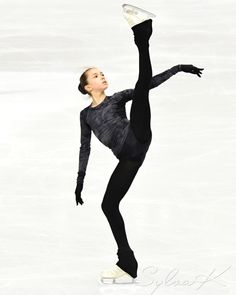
pixel 135 15
pixel 116 276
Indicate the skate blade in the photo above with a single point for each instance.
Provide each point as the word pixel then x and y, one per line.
pixel 131 9
pixel 120 280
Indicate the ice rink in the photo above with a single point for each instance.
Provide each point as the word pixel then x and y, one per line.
pixel 180 210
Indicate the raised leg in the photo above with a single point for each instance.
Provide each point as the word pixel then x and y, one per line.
pixel 140 112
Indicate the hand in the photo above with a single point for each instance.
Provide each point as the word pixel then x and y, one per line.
pixel 78 190
pixel 191 69
pixel 79 187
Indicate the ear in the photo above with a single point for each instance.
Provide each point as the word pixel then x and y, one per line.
pixel 87 88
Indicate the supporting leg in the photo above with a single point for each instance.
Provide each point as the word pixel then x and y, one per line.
pixel 118 185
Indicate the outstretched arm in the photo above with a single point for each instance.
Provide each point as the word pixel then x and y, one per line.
pixel 162 77
pixel 127 94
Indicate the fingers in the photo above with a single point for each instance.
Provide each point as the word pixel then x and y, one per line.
pixel 78 200
pixel 200 70
pixel 197 71
pixel 199 74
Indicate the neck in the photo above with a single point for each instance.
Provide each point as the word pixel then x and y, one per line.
pixel 98 98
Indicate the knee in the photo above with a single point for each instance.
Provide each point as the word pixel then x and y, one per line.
pixel 107 207
pixel 104 207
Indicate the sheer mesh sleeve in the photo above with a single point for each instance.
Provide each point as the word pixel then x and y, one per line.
pixel 85 147
pixel 162 77
pixel 127 94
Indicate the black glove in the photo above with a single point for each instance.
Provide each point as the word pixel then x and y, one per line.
pixel 79 188
pixel 191 69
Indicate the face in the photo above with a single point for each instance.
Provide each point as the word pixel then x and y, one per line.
pixel 96 80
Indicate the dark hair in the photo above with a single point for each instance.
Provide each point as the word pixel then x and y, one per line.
pixel 84 82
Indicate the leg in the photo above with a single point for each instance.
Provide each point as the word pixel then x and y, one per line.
pixel 140 113
pixel 118 185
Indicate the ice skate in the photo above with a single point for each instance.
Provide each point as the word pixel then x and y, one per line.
pixel 135 15
pixel 116 276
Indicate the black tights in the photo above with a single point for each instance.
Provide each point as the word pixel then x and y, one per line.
pixel 140 116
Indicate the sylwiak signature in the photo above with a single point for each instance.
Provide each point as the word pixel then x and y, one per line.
pixel 171 279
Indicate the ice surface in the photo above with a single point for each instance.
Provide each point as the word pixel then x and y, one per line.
pixel 180 210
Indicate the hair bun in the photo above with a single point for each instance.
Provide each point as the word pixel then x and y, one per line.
pixel 81 89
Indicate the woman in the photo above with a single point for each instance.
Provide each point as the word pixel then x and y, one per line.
pixel 128 140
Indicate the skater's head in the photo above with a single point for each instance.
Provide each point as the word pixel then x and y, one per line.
pixel 92 81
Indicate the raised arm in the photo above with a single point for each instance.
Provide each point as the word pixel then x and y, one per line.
pixel 84 153
pixel 162 77
pixel 127 94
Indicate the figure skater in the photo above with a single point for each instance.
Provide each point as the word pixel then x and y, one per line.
pixel 128 140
